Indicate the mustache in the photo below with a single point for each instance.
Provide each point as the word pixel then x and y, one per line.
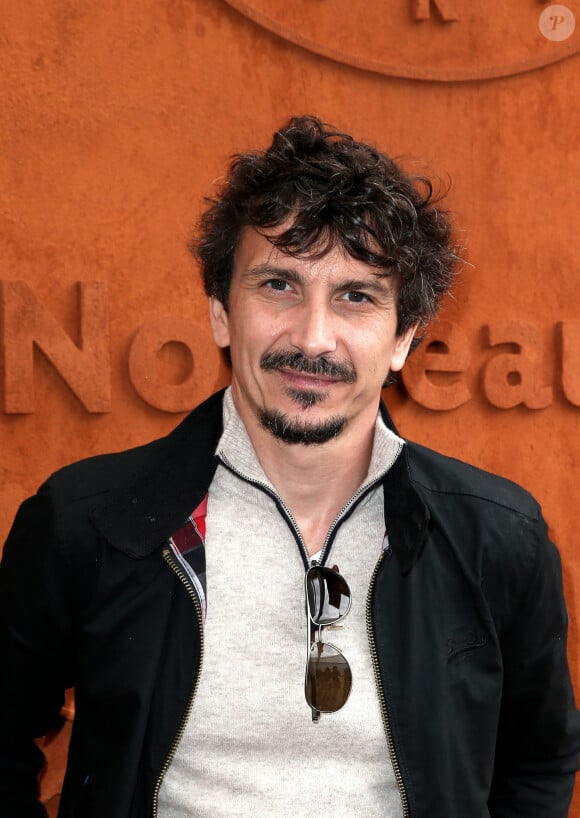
pixel 297 361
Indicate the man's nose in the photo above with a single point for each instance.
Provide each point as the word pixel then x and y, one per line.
pixel 313 329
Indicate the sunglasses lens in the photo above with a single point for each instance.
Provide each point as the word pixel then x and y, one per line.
pixel 328 678
pixel 328 595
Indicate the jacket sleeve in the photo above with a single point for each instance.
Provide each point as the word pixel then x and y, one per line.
pixel 539 732
pixel 35 650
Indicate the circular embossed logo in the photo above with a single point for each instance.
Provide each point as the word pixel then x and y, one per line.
pixel 438 40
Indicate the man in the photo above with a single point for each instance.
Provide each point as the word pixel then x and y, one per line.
pixel 172 585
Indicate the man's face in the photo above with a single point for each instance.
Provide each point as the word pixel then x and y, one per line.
pixel 311 340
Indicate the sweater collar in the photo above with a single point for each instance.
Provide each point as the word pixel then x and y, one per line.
pixel 236 449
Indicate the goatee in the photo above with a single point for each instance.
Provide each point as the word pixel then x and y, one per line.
pixel 294 431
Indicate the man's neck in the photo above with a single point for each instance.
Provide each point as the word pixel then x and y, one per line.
pixel 315 481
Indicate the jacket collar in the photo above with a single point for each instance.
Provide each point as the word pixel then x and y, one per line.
pixel 176 474
pixel 406 515
pixel 172 481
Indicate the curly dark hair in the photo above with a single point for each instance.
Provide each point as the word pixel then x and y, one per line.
pixel 332 191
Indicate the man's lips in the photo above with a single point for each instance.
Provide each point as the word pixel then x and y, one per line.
pixel 306 380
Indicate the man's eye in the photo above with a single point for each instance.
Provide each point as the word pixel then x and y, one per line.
pixel 356 297
pixel 277 284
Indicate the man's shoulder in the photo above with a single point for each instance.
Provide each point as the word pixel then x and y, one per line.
pixel 101 473
pixel 437 474
pixel 111 471
pixel 488 521
pixel 138 497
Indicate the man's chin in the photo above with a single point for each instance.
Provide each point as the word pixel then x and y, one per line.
pixel 306 398
pixel 295 430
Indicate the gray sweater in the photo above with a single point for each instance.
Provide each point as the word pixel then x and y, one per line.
pixel 250 747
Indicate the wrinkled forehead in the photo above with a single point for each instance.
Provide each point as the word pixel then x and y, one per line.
pixel 258 253
pixel 313 241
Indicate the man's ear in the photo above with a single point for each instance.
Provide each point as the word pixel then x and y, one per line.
pixel 220 325
pixel 401 348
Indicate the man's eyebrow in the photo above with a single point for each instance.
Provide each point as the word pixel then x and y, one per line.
pixel 381 285
pixel 264 271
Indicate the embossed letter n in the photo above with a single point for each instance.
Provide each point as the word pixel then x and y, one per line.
pixel 27 323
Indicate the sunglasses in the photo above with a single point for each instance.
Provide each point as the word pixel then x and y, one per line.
pixel 328 674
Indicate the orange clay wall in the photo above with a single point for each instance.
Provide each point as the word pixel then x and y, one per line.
pixel 117 118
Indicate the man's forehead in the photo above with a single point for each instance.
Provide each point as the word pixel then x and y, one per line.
pixel 256 252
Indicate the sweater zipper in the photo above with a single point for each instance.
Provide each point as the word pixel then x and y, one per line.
pixel 192 593
pixel 373 649
pixel 278 500
pixel 381 693
pixel 362 490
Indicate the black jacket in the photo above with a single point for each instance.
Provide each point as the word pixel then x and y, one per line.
pixel 468 627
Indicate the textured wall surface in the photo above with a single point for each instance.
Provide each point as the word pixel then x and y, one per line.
pixel 116 119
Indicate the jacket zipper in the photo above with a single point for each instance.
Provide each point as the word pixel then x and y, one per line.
pixel 381 693
pixel 167 556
